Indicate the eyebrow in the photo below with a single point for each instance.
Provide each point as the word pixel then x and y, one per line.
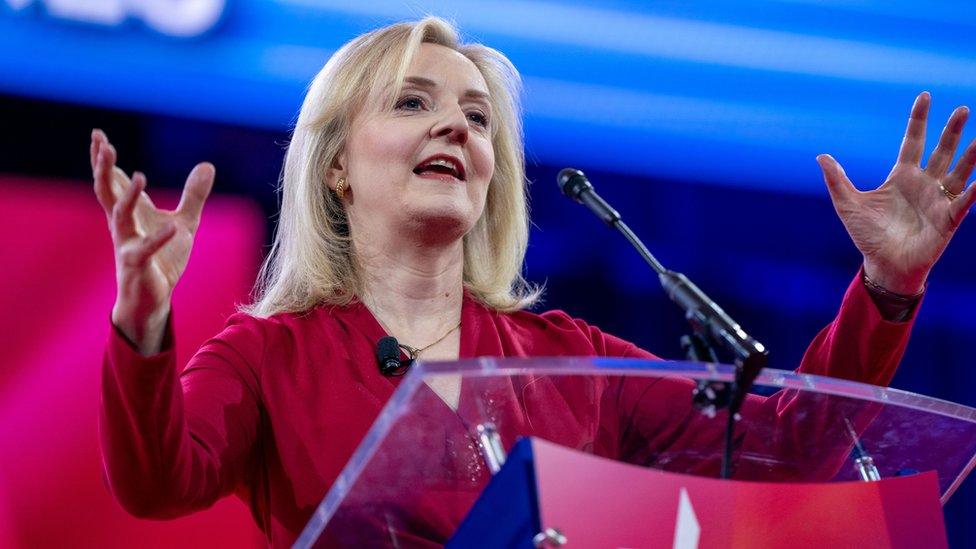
pixel 422 82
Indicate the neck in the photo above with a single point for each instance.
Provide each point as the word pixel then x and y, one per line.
pixel 414 291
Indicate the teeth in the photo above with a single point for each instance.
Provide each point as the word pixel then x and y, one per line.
pixel 442 162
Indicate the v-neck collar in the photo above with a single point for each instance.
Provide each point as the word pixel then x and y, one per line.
pixel 470 331
pixel 471 324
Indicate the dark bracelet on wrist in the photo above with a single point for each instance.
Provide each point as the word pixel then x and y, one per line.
pixel 888 294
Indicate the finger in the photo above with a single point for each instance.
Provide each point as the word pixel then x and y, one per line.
pixel 122 214
pixel 153 243
pixel 195 192
pixel 913 144
pixel 139 255
pixel 97 138
pixel 956 180
pixel 838 185
pixel 104 164
pixel 959 207
pixel 948 143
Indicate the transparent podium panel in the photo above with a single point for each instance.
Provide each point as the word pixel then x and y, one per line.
pixel 424 462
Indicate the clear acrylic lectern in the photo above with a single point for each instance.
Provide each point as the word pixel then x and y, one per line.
pixel 423 463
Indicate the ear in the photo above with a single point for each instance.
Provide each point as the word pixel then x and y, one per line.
pixel 336 170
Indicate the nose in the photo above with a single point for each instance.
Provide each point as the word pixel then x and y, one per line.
pixel 452 125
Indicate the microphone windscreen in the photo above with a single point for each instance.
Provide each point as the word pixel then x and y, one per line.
pixel 388 355
pixel 572 182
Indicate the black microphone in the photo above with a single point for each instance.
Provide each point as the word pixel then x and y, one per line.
pixel 574 184
pixel 388 357
pixel 706 317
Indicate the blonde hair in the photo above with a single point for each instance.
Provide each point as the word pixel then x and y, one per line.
pixel 311 261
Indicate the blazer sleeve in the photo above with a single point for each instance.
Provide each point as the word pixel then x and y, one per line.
pixel 859 345
pixel 175 443
pixel 788 435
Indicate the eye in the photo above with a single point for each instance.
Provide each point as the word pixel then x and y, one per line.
pixel 478 118
pixel 411 103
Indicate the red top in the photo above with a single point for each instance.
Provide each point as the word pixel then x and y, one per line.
pixel 271 409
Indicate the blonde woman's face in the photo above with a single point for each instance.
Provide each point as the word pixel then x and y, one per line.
pixel 422 168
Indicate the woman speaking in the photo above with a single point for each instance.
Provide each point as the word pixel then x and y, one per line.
pixel 403 213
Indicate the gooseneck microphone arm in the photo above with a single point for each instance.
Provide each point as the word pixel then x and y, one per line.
pixel 711 325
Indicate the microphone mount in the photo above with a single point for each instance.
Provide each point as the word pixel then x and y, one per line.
pixel 711 327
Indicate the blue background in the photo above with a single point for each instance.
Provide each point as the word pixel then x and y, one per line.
pixel 699 121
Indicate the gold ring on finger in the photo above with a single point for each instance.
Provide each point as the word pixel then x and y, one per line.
pixel 949 194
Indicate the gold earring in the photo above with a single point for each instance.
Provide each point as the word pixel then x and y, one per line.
pixel 340 189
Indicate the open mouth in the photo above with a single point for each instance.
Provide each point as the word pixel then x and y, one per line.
pixel 442 165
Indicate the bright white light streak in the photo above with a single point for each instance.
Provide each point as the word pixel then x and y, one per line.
pixel 680 39
pixel 183 18
pixel 625 108
pixel 102 12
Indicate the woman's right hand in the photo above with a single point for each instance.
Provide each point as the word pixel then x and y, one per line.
pixel 152 246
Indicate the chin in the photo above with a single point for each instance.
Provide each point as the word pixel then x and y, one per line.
pixel 440 223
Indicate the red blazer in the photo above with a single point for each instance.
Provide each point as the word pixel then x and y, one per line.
pixel 271 409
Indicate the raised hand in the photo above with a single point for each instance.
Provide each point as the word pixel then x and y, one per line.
pixel 152 246
pixel 903 226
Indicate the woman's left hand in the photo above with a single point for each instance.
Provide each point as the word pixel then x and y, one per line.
pixel 903 226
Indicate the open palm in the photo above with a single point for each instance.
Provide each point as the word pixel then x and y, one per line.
pixel 903 226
